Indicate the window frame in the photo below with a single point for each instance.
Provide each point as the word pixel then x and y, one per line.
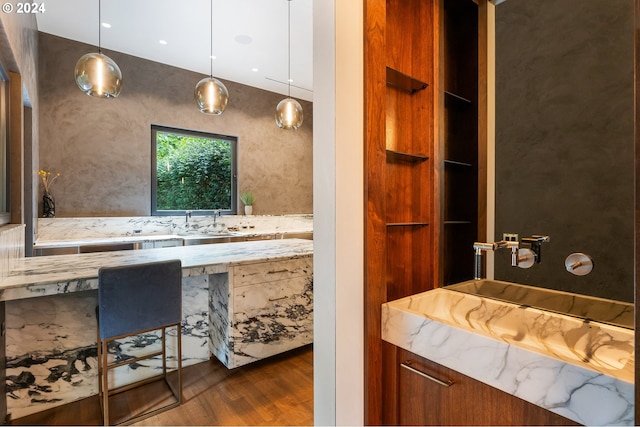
pixel 201 134
pixel 5 214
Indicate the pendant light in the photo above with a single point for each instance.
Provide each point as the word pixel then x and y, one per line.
pixel 289 111
pixel 211 94
pixel 96 74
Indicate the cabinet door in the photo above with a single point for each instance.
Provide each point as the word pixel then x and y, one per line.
pixel 272 317
pixel 251 274
pixel 431 394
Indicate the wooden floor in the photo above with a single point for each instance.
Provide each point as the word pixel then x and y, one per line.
pixel 275 391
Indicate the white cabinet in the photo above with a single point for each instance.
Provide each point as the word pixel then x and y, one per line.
pixel 261 309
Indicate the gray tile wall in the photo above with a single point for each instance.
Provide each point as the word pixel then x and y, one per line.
pixel 565 137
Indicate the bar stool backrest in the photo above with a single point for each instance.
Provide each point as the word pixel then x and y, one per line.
pixel 139 297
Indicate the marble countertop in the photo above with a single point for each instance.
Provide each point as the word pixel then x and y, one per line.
pixel 105 240
pixel 583 372
pixel 71 242
pixel 58 274
pixel 65 232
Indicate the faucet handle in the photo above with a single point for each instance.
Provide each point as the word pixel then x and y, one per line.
pixel 535 238
pixel 536 241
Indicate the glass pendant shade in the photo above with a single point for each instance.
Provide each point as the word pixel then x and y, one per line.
pixel 289 114
pixel 211 95
pixel 98 75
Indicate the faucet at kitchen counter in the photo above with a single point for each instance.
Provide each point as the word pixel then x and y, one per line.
pixel 187 215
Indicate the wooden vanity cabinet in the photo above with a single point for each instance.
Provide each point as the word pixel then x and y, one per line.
pixel 430 394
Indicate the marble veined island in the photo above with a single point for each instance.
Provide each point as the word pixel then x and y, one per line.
pixel 241 302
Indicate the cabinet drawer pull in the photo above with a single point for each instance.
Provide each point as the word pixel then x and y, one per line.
pixel 277 299
pixel 445 383
pixel 277 271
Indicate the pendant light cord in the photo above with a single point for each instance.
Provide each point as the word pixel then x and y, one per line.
pixel 211 39
pixel 289 53
pixel 99 26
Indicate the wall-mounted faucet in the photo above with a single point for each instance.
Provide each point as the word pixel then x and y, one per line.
pixel 535 244
pixel 187 215
pixel 480 247
pixel 520 257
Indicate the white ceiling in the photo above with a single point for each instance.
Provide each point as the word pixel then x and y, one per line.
pixel 247 34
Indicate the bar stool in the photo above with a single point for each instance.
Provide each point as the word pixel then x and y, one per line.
pixel 134 300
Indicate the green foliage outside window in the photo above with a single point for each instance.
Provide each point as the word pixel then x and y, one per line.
pixel 193 173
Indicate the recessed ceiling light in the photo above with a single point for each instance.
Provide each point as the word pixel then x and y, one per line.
pixel 163 42
pixel 212 57
pixel 290 80
pixel 254 70
pixel 106 25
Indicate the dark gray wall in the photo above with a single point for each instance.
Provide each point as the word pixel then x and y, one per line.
pixel 564 139
pixel 102 147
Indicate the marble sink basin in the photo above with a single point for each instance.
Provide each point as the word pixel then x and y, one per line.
pixel 603 310
pixel 598 346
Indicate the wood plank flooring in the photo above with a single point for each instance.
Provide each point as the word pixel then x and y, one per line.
pixel 275 391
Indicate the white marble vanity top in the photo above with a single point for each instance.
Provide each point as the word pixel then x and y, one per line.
pixel 58 274
pixel 582 370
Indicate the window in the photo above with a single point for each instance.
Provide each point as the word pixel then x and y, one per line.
pixel 5 216
pixel 192 171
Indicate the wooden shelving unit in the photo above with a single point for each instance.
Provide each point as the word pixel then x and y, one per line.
pixel 420 130
pixel 460 139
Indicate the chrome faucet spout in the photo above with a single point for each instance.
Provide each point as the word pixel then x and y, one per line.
pixel 480 247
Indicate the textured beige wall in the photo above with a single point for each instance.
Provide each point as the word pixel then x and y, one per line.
pixel 102 148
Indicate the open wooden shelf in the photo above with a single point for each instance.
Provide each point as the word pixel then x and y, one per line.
pixel 404 82
pixel 457 98
pixel 399 156
pixel 456 163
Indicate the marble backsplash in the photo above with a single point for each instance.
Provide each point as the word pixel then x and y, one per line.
pixel 11 246
pixel 57 229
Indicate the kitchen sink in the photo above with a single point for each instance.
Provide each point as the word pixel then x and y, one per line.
pixel 586 307
pixel 205 239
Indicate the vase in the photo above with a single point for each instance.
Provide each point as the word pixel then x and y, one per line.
pixel 248 210
pixel 48 205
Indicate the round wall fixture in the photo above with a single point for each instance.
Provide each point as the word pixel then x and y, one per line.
pixel 579 264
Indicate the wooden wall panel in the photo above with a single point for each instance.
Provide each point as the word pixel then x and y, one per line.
pixel 400 133
pixel 409 268
pixel 375 217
